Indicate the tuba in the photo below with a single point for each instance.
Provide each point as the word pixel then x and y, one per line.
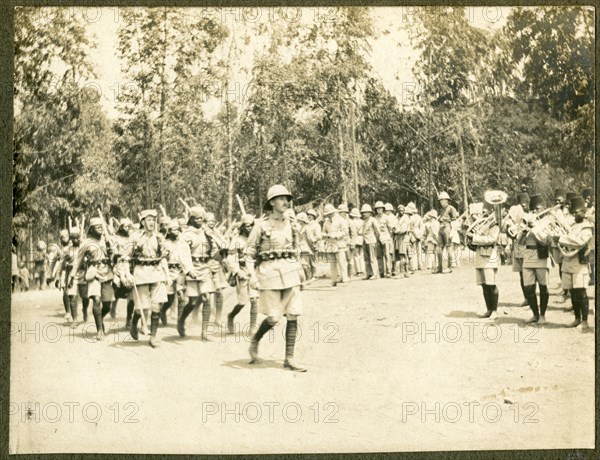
pixel 496 198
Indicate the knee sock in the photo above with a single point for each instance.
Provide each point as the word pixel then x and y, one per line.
pixel 575 303
pixel 532 300
pixel 66 303
pixel 291 330
pixel 235 311
pixel 486 296
pixel 218 304
pixel 544 295
pixel 265 327
pixel 253 312
pixel 154 323
pixel 523 286
pixel 73 306
pixel 97 312
pixel 494 295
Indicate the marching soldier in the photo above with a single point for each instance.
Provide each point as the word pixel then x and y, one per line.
pixel 392 223
pixel 487 262
pixel 305 251
pixel 590 215
pixel 313 235
pixel 98 250
pixel 150 273
pixel 278 275
pixel 415 230
pixel 356 243
pixel 216 269
pixel 334 236
pixel 536 263
pixel 123 279
pixel 65 246
pixel 448 214
pixel 39 265
pixel 179 261
pixel 518 232
pixel 199 284
pixel 575 247
pixel 385 245
pixel 65 265
pixel 236 263
pixel 369 231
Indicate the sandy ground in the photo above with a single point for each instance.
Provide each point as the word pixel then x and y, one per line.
pixel 394 365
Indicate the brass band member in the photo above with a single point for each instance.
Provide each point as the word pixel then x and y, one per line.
pixel 575 247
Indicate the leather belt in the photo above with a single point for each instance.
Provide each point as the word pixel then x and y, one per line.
pixel 99 262
pixel 200 259
pixel 276 255
pixel 176 266
pixel 145 262
pixel 529 246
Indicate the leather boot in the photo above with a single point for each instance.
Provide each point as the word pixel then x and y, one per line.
pixel 153 329
pixel 291 330
pixel 134 324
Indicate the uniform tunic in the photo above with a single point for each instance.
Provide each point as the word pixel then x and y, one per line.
pixel 179 261
pixel 149 271
pixel 575 275
pixel 236 264
pixel 99 272
pixel 201 250
pixel 279 272
pixel 486 256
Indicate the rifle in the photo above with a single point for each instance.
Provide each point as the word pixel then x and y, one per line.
pixel 241 204
pixel 162 210
pixel 104 225
pixel 185 205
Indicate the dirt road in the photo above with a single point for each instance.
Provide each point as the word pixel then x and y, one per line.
pixel 393 365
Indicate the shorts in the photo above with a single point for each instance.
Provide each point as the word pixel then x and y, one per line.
pixel 150 296
pixel 531 275
pixel 103 290
pixel 176 285
pixel 83 290
pixel 575 280
pixel 219 279
pixel 277 303
pixel 444 236
pixel 196 288
pixel 72 291
pixel 244 292
pixel 485 276
pixel 517 264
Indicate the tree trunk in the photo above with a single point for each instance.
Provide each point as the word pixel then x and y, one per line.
pixel 161 115
pixel 230 166
pixel 462 165
pixel 354 156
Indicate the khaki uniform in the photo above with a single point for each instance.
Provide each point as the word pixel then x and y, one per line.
pixel 575 274
pixel 150 271
pixel 201 250
pixel 535 265
pixel 272 243
pixel 385 248
pixel 356 244
pixel 487 257
pixel 369 231
pixel 236 264
pixel 335 237
pixel 417 230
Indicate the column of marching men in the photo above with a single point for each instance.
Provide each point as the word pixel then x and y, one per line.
pixel 182 266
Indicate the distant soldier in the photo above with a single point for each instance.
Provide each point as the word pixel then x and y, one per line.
pixel 65 246
pixel 215 263
pixel 575 247
pixel 40 257
pixel 369 231
pixel 313 236
pixel 536 262
pixel 64 268
pixel 14 269
pixel 163 223
pixel 349 230
pixel 150 273
pixel 432 230
pixel 448 214
pixel 415 229
pixel 356 243
pixel 98 251
pixel 305 251
pixel 402 242
pixel 334 237
pixel 392 221
pixel 273 244
pixel 199 284
pixel 123 279
pixel 385 244
pixel 236 262
pixel 179 261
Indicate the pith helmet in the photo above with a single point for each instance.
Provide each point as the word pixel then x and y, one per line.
pixel 355 212
pixel 343 208
pixel 443 196
pixel 379 204
pixel 210 217
pixel 302 217
pixel 275 191
pixel 173 225
pixel 410 208
pixel 125 222
pixel 366 208
pixel 389 207
pixel 329 209
pixel 247 219
pixel 147 213
pixel 312 212
pixel 64 233
pixel 197 212
pixel 94 221
pixel 164 220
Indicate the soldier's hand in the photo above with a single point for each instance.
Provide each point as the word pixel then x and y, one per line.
pixel 254 284
pixel 70 282
pixel 241 275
